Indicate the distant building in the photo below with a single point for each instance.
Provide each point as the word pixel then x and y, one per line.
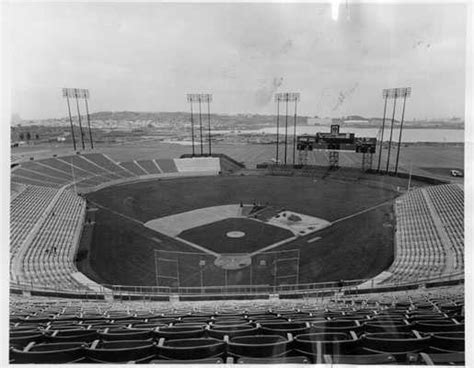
pixel 319 121
pixel 356 121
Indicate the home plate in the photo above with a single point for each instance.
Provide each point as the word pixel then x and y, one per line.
pixel 233 261
pixel 314 239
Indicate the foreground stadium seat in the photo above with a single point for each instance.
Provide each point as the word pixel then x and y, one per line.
pixel 442 359
pixel 438 326
pixel 72 335
pixel 360 359
pixel 315 345
pixel 340 325
pixel 447 341
pixel 402 343
pixel 199 348
pixel 69 352
pixel 187 331
pixel 190 361
pixel 110 334
pixel 121 351
pixel 218 332
pixel 386 326
pixel 258 346
pixel 23 338
pixel 279 360
pixel 284 328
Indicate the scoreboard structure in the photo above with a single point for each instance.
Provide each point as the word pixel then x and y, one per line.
pixel 333 142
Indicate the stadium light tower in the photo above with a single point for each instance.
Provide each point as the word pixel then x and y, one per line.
pixel 404 92
pixel 67 93
pixel 286 97
pixel 200 98
pixel 79 93
pixel 85 93
pixel 385 96
pixel 393 94
pixel 191 100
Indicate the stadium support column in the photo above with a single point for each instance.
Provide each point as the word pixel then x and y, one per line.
pixel 79 118
pixel 385 95
pixel 278 129
pixel 294 133
pixel 89 123
pixel 200 125
pixel 405 93
pixel 391 132
pixel 70 120
pixel 286 125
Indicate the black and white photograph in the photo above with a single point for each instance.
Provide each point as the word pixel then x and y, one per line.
pixel 236 182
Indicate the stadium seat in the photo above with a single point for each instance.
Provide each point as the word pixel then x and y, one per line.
pixel 386 326
pixel 181 332
pixel 402 342
pixel 218 332
pixel 51 353
pixel 315 345
pixel 360 359
pixel 70 335
pixel 284 328
pixel 447 341
pixel 190 361
pixel 121 351
pixel 258 346
pixel 199 348
pixel 24 338
pixel 275 361
pixel 438 326
pixel 110 334
pixel 442 359
pixel 339 325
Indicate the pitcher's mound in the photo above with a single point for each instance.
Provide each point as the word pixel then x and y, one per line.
pixel 233 261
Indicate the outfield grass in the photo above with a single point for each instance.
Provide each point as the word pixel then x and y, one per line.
pixel 122 251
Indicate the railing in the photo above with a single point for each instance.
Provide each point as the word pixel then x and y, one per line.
pixel 350 287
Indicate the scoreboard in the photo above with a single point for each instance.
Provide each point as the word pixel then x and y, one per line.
pixel 336 141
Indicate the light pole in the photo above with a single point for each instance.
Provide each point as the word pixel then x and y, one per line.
pixel 66 93
pixel 286 97
pixel 405 92
pixel 199 98
pixel 385 95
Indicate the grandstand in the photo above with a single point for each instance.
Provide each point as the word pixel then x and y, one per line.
pixel 413 313
pixel 429 237
pixel 396 328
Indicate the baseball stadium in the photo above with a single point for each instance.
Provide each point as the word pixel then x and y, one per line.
pixel 215 258
pixel 239 183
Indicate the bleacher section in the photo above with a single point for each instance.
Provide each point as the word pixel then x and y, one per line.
pixel 166 165
pixel 399 328
pixel 448 201
pixel 132 167
pixel 107 163
pixel 91 170
pixel 49 258
pixel 26 210
pixel 430 235
pixel 149 166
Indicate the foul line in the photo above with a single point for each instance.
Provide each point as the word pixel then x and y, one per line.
pixel 361 212
pixel 117 213
pixel 156 240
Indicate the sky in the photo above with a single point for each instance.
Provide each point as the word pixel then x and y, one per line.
pixel 147 56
